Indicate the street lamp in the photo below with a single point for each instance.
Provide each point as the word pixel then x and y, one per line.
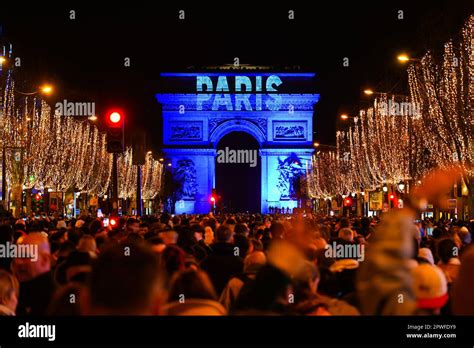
pixel 404 58
pixel 345 117
pixel 46 89
pixel 316 144
pixel 385 188
pixel 368 91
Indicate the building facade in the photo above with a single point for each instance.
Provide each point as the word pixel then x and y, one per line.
pixel 200 108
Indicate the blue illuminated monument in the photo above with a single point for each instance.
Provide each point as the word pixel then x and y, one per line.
pixel 275 108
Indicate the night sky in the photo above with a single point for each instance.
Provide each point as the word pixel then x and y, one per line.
pixel 84 57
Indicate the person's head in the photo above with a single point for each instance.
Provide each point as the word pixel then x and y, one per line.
pixel 125 280
pixel 242 243
pixel 254 261
pixel 430 287
pixel 307 278
pixel 344 223
pixel 29 268
pixel 20 225
pixel 75 235
pixel 464 235
pixel 325 232
pixel 61 304
pixel 198 232
pixel 87 244
pixel 277 230
pixel 176 220
pixel 144 228
pixel 255 245
pixel 65 249
pixel 425 255
pixel 447 249
pixel 186 237
pixel 79 223
pixel 365 223
pixel 95 226
pixel 169 237
pixel 192 284
pixel 241 229
pixel 438 232
pixel 208 235
pixel 77 267
pixel 346 234
pixel 212 223
pixel 174 259
pixel 224 234
pixel 134 237
pixel 231 221
pixel 9 290
pixel 165 218
pixel 132 225
pixel 157 244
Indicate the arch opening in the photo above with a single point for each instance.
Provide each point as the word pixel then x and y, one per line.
pixel 238 173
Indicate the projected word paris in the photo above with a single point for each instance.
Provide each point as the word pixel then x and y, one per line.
pixel 248 95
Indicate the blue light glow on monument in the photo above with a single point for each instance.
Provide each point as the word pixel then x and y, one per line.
pixel 194 123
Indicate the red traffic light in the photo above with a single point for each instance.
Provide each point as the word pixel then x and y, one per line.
pixel 115 117
pixel 347 202
pixel 213 199
pixel 113 222
pixel 38 197
pixel 392 196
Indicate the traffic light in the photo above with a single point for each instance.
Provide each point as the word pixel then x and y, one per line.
pixel 113 222
pixel 392 196
pixel 213 197
pixel 347 202
pixel 115 128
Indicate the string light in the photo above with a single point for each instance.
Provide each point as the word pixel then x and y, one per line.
pixel 399 138
pixel 45 149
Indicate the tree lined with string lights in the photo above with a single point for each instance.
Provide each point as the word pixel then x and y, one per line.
pixel 387 146
pixel 443 87
pixel 44 149
pixel 151 180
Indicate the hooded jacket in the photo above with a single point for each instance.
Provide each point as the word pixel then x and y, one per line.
pixel 384 280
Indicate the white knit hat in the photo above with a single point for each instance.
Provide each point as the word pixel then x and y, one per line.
pixel 430 286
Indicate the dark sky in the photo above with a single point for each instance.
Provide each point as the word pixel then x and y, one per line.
pixel 84 57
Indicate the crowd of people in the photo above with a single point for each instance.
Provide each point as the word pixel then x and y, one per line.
pixel 238 264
